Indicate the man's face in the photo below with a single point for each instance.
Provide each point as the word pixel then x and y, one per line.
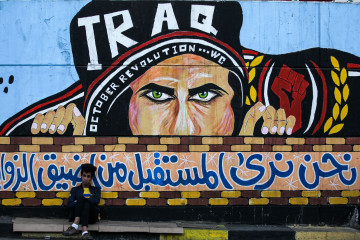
pixel 86 179
pixel 183 95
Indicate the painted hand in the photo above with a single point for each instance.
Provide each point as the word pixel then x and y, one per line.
pixel 58 121
pixel 275 121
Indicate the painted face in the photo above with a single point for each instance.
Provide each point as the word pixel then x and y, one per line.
pixel 183 95
pixel 86 179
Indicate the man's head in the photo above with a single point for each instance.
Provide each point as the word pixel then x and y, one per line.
pixel 182 95
pixel 87 174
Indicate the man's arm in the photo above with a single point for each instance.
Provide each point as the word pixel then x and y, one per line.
pixel 95 198
pixel 72 198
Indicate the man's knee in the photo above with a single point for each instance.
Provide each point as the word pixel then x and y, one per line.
pixel 87 204
pixel 79 204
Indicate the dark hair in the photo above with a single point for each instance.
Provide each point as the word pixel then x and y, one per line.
pixel 117 118
pixel 238 85
pixel 88 168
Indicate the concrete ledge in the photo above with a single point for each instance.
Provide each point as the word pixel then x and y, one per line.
pixel 91 227
pixel 38 225
pixel 253 214
pixel 192 230
pixel 325 233
pixel 39 235
pixel 121 226
pixel 41 225
pixel 169 228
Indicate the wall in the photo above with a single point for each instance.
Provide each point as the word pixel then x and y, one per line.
pixel 289 193
pixel 179 105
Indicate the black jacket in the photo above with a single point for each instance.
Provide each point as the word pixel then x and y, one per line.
pixel 77 192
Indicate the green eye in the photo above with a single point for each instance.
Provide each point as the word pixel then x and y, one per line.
pixel 156 94
pixel 203 94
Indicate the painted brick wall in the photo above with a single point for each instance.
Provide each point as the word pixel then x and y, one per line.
pixel 183 144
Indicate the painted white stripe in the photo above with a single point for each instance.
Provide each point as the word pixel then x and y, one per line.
pixel 242 92
pixel 144 52
pixel 248 57
pixel 353 74
pixel 266 86
pixel 46 110
pixel 314 100
pixel 117 98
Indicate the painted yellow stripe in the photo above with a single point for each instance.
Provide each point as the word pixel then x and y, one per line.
pixel 62 194
pixel 109 194
pixel 52 202
pixel 327 235
pixel 25 194
pixel 197 234
pixel 11 202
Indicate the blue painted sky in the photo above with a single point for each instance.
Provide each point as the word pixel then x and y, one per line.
pixel 37 32
pixel 281 27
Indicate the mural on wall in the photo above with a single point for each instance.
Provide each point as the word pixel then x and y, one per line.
pixel 181 171
pixel 178 68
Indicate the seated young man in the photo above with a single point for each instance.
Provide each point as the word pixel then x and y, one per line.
pixel 83 203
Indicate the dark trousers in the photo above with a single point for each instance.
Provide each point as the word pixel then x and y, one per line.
pixel 87 211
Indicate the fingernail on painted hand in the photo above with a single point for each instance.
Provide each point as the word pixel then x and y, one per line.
pixel 265 130
pixel 274 129
pixel 34 126
pixel 77 112
pixel 52 127
pixel 282 130
pixel 289 131
pixel 61 127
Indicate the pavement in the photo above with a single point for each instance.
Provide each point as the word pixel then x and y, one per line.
pixel 180 230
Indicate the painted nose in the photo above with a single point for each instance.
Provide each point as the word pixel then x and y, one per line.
pixel 185 125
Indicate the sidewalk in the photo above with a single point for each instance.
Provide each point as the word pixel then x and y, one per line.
pixel 191 230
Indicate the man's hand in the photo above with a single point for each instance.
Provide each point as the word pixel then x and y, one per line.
pixel 275 121
pixel 58 121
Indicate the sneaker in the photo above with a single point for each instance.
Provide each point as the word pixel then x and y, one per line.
pixel 70 231
pixel 87 236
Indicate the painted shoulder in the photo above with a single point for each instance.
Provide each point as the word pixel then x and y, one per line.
pixel 314 85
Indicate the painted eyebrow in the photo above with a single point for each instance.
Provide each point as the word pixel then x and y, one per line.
pixel 205 87
pixel 156 87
